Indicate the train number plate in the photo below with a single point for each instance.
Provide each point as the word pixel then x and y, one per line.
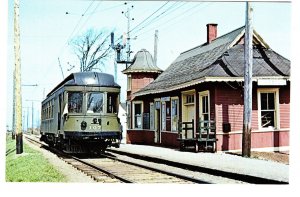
pixel 95 127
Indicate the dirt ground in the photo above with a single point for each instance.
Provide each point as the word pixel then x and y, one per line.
pixel 281 157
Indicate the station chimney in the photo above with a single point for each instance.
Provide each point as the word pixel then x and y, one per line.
pixel 211 32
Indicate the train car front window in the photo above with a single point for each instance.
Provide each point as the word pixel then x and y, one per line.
pixel 75 102
pixel 112 102
pixel 95 102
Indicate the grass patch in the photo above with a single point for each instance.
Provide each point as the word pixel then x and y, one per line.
pixel 30 166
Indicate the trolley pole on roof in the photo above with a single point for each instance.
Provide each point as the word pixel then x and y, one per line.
pixel 248 60
pixel 17 81
pixel 61 70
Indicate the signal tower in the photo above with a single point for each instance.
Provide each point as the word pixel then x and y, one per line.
pixel 126 41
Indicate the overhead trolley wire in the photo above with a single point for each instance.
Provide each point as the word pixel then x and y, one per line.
pixel 62 48
pixel 172 19
pixel 162 14
pixel 88 18
pixel 106 9
pixel 149 16
pixel 144 20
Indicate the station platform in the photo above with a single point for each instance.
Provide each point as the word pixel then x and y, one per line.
pixel 217 161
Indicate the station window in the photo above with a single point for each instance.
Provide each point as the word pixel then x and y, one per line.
pixel 268 108
pixel 95 102
pixel 189 99
pixel 137 109
pixel 152 116
pixel 75 102
pixel 174 114
pixel 112 101
pixel 164 117
pixel 204 108
pixel 129 82
pixel 128 115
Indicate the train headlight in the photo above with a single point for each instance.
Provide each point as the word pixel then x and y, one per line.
pixel 83 125
pixel 95 121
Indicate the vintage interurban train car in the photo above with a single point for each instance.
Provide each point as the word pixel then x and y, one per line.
pixel 81 113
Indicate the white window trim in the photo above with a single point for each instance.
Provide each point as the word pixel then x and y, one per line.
pixel 129 113
pixel 174 98
pixel 204 93
pixel 152 105
pixel 133 113
pixel 161 116
pixel 277 109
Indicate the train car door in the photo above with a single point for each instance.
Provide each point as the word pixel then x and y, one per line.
pixel 60 106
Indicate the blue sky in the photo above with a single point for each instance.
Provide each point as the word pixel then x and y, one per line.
pixel 46 30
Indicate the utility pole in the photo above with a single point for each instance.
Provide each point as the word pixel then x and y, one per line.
pixel 32 117
pixel 116 67
pixel 248 53
pixel 32 85
pixel 17 81
pixel 155 47
pixel 127 15
pixel 27 119
pixel 118 47
pixel 32 120
pixel 13 132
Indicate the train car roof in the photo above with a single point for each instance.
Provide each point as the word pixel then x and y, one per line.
pixel 87 79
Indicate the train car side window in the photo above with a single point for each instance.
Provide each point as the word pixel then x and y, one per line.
pixel 95 102
pixel 75 102
pixel 112 102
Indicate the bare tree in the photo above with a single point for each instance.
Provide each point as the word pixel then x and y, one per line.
pixel 92 50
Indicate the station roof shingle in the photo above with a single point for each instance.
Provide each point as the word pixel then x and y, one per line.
pixel 142 62
pixel 220 60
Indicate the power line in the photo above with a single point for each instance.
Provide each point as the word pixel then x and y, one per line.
pixel 78 21
pixel 149 22
pixel 157 17
pixel 62 48
pixel 88 17
pixel 182 14
pixel 105 9
pixel 148 17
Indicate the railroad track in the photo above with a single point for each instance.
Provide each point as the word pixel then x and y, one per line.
pixel 116 166
pixel 212 175
pixel 109 169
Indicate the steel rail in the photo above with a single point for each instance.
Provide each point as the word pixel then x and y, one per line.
pixel 214 172
pixel 180 176
pixel 110 174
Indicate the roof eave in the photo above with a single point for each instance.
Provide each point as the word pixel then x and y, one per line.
pixel 207 79
pixel 141 71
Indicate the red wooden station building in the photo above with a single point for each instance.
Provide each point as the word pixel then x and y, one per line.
pixel 198 100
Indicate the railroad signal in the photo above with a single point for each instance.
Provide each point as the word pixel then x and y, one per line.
pixel 126 41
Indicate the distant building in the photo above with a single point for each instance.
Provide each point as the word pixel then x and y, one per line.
pixel 204 85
